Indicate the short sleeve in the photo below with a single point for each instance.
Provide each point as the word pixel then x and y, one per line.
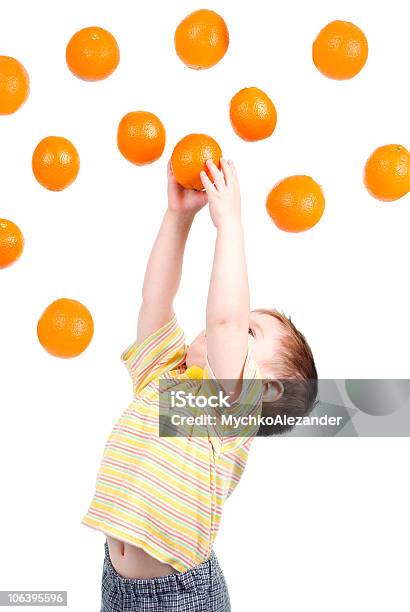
pixel 240 421
pixel 161 352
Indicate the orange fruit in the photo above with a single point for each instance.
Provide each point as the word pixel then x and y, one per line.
pixel 92 54
pixel 141 137
pixel 65 328
pixel 296 203
pixel 189 157
pixel 14 85
pixel 11 243
pixel 253 114
pixel 340 50
pixel 55 163
pixel 201 39
pixel 387 172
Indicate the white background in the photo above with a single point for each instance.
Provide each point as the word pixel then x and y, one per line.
pixel 316 524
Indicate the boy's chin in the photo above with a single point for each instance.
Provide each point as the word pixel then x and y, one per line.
pixel 195 359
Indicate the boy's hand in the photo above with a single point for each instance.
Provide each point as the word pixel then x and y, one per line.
pixel 184 201
pixel 223 194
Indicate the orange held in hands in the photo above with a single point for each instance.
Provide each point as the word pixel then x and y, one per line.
pixel 14 85
pixel 11 243
pixel 201 39
pixel 189 158
pixel 253 114
pixel 340 50
pixel 55 163
pixel 296 204
pixel 141 137
pixel 65 328
pixel 387 173
pixel 92 54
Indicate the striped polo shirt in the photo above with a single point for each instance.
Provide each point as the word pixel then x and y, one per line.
pixel 166 494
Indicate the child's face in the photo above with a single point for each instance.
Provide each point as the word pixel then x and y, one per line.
pixel 265 333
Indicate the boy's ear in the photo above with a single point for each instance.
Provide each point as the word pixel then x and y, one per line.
pixel 272 390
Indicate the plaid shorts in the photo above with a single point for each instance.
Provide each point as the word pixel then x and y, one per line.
pixel 200 589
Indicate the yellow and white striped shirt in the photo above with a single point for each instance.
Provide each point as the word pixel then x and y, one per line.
pixel 166 494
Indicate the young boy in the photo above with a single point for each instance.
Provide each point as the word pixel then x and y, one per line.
pixel 159 499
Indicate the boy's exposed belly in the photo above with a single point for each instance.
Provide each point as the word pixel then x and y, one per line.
pixel 133 562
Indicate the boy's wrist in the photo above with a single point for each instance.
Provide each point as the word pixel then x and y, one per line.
pixel 229 222
pixel 185 216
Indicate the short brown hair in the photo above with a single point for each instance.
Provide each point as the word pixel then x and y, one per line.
pixel 295 368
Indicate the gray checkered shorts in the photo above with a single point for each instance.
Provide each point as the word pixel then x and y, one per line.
pixel 200 589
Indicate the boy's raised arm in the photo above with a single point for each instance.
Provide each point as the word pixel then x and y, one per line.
pixel 227 315
pixel 164 268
